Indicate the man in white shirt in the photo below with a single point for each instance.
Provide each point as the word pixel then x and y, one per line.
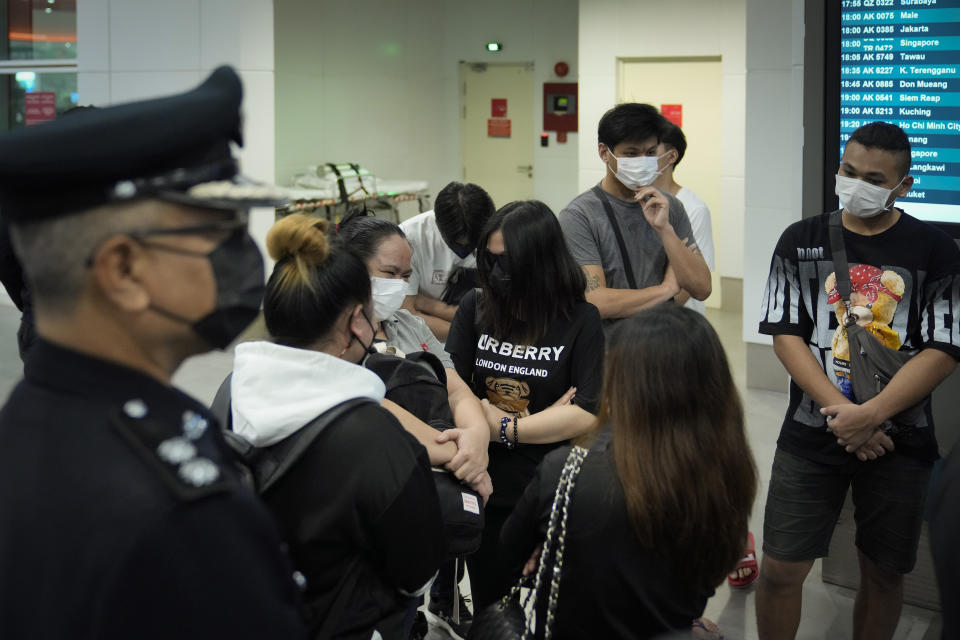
pixel 444 243
pixel 673 144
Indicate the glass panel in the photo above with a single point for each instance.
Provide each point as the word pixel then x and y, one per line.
pixel 38 29
pixel 27 97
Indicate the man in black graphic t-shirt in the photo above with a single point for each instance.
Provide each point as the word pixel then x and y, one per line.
pixel 904 278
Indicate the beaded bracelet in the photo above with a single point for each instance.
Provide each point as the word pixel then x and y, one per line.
pixel 504 438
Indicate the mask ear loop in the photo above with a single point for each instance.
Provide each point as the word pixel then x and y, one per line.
pixel 898 185
pixel 368 349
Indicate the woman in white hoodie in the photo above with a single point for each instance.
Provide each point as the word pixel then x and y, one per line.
pixel 359 508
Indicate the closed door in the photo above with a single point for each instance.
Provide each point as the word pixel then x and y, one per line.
pixel 696 84
pixel 496 129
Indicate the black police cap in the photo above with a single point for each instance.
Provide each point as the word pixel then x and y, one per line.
pixel 175 148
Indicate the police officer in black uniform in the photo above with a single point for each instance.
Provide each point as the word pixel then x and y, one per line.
pixel 121 514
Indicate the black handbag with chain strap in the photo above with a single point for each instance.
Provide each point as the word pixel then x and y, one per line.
pixel 508 619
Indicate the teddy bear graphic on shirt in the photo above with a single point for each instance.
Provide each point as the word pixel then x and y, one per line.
pixel 874 296
pixel 509 395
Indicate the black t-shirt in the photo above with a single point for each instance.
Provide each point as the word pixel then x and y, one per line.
pixel 611 586
pixel 908 276
pixel 525 379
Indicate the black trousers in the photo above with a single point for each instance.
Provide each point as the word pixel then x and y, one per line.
pixel 490 577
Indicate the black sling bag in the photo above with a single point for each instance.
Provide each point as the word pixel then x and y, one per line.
pixel 872 365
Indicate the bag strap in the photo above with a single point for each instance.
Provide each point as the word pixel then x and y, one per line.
pixel 555 540
pixel 356 169
pixel 344 197
pixel 841 268
pixel 274 461
pixel 627 267
pixel 268 464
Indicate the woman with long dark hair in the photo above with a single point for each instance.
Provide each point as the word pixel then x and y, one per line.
pixel 531 347
pixel 658 515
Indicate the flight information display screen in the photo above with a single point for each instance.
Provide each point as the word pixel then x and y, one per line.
pixel 900 62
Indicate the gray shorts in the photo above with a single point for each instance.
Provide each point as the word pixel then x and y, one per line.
pixel 805 498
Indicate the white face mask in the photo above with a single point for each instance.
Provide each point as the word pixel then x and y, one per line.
pixel 388 295
pixel 636 173
pixel 862 199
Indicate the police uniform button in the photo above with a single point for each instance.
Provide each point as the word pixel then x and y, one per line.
pixel 135 408
pixel 194 425
pixel 300 580
pixel 124 189
pixel 176 450
pixel 199 472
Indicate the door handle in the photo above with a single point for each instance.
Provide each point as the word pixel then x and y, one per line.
pixel 527 169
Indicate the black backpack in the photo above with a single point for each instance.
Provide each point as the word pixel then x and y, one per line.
pixel 266 465
pixel 418 383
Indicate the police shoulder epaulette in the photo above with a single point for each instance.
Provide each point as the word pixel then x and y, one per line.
pixel 173 453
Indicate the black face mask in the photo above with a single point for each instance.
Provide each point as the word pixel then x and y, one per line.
pixel 498 273
pixel 368 350
pixel 239 277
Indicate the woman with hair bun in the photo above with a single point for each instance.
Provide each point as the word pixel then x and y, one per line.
pixel 359 508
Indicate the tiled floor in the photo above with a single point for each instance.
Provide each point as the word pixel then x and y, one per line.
pixel 827 608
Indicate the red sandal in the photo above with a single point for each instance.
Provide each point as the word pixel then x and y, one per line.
pixel 749 561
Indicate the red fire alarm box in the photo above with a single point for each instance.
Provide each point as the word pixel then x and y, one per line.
pixel 560 106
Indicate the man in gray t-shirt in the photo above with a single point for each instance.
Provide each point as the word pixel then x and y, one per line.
pixel 663 255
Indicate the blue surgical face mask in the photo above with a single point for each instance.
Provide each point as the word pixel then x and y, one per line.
pixel 462 250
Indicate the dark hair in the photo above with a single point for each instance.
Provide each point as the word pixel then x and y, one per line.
pixel 462 211
pixel 545 281
pixel 672 136
pixel 362 232
pixel 630 121
pixel 887 137
pixel 681 454
pixel 312 283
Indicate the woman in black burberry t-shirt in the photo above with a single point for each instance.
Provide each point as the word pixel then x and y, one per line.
pixel 531 348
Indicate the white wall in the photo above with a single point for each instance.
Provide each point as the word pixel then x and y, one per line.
pixel 134 49
pixel 774 141
pixel 377 83
pixel 626 28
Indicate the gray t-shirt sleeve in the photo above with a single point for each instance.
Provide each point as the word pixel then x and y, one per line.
pixel 580 237
pixel 433 345
pixel 410 334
